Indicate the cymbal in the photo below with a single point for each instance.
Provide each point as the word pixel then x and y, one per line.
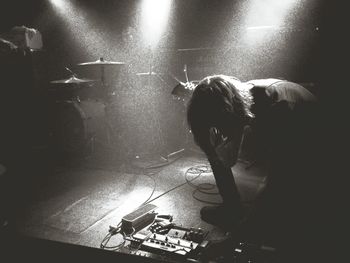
pixel 101 62
pixel 72 80
pixel 148 73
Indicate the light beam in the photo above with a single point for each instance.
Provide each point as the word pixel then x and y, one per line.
pixel 58 3
pixel 154 19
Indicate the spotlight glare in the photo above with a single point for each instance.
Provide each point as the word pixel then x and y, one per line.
pixel 58 3
pixel 261 27
pixel 263 18
pixel 80 27
pixel 155 15
pixel 270 12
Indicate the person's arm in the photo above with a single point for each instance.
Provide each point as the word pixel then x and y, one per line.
pixel 202 137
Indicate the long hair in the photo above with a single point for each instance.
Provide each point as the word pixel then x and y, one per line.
pixel 217 98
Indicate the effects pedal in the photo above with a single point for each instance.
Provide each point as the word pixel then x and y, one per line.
pixel 164 238
pixel 164 243
pixel 138 219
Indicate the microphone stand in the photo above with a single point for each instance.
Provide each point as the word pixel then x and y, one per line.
pixel 69 70
pixel 186 85
pixel 187 139
pixel 185 70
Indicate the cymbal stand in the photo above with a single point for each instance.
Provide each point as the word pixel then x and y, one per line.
pixel 184 122
pixel 108 128
pixel 103 80
pixel 185 70
pixel 157 124
pixel 168 156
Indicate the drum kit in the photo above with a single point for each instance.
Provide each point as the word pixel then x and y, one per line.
pixel 80 123
pixel 73 82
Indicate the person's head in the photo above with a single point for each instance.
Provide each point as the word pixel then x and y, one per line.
pixel 222 102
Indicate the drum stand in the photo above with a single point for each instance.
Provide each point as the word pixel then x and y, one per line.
pixel 185 93
pixel 93 141
pixel 167 157
pixel 105 94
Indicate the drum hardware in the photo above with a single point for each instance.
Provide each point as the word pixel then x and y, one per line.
pixel 73 80
pixel 70 86
pixel 70 71
pixel 185 70
pixel 183 92
pixel 81 124
pixel 67 89
pixel 77 125
pixel 150 76
pixel 102 64
pixel 194 49
pixel 149 73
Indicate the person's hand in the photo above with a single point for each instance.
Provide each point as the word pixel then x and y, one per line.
pixel 226 148
pixel 226 153
pixel 215 137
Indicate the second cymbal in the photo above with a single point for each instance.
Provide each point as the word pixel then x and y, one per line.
pixel 101 62
pixel 148 73
pixel 72 80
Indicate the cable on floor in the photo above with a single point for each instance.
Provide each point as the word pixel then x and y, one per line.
pixel 204 188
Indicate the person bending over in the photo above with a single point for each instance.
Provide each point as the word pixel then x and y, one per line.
pixel 284 119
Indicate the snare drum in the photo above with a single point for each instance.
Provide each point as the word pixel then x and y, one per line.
pixel 76 123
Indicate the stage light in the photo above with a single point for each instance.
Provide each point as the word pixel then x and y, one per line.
pixel 155 14
pixel 261 27
pixel 82 30
pixel 58 3
pixel 265 18
pixel 269 13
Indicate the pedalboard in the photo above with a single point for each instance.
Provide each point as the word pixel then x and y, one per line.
pixel 165 238
pixel 157 236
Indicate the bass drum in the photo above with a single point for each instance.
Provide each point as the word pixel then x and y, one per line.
pixel 78 123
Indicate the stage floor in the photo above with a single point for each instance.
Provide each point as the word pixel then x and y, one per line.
pixel 78 203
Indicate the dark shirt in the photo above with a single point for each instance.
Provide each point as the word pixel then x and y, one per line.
pixel 286 124
pixel 290 140
pixel 285 117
